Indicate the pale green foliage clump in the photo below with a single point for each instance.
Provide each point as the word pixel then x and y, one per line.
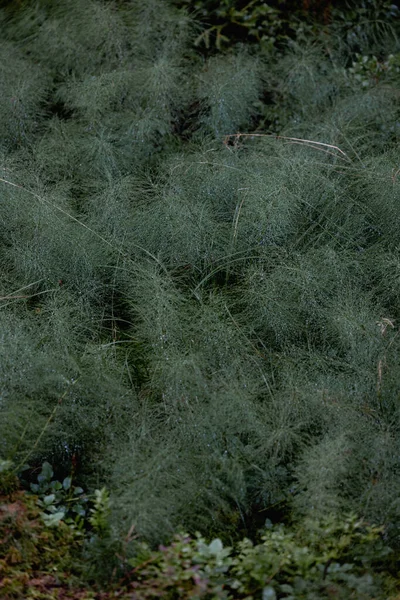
pixel 209 321
pixel 219 85
pixel 100 512
pixel 24 87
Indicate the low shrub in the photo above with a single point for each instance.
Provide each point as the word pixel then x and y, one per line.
pixel 316 559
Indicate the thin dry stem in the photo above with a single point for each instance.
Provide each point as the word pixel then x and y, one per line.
pixel 311 143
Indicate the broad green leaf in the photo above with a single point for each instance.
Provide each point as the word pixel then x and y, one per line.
pixel 269 593
pixel 47 472
pixel 79 510
pixel 216 546
pixel 49 499
pixel 54 519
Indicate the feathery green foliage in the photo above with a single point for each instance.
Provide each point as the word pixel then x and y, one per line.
pixel 207 322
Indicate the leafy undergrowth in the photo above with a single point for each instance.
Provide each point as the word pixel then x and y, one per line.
pixel 36 561
pixel 316 559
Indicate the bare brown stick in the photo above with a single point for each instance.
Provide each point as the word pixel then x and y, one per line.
pixel 311 143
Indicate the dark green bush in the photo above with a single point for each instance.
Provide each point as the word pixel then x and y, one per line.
pixel 199 289
pixel 274 23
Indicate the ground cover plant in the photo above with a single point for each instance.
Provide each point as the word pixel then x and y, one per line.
pixel 326 558
pixel 199 285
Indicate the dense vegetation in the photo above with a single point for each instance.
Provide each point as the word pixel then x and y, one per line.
pixel 200 289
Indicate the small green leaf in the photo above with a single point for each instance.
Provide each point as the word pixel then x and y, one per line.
pixel 216 546
pixel 79 510
pixel 78 490
pixel 47 472
pixel 268 524
pixel 54 519
pixel 49 499
pixel 67 483
pixel 269 593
